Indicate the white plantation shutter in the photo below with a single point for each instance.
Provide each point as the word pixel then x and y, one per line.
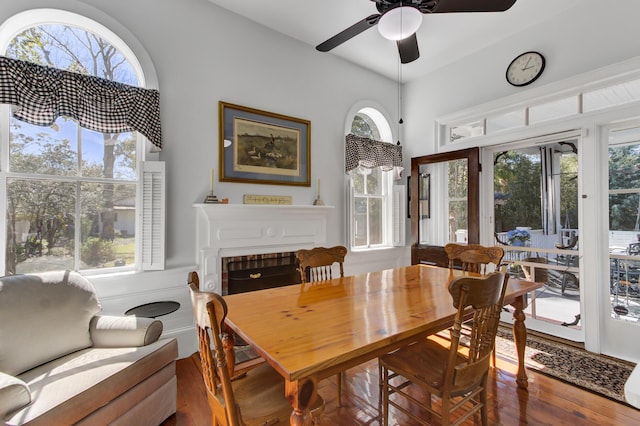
pixel 351 214
pixel 152 215
pixel 399 214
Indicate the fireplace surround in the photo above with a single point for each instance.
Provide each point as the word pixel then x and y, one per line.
pixel 245 231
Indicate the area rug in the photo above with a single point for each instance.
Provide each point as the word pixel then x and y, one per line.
pixel 595 373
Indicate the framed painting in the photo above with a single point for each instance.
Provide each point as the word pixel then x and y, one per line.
pixel 263 147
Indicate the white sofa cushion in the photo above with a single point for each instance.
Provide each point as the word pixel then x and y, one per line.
pixel 42 317
pixel 119 331
pixel 14 394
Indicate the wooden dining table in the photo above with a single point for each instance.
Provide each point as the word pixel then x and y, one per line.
pixel 308 332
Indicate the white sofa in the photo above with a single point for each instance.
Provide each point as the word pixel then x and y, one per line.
pixel 632 387
pixel 62 364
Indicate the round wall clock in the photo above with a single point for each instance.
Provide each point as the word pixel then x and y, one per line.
pixel 525 68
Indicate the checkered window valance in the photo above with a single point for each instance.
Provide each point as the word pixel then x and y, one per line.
pixel 42 94
pixel 370 153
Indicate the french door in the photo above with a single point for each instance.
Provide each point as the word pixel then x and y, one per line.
pixel 620 312
pixel 531 208
pixel 444 203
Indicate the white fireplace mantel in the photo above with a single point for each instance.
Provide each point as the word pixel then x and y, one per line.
pixel 225 230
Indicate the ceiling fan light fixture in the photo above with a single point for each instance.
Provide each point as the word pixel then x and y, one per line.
pixel 399 23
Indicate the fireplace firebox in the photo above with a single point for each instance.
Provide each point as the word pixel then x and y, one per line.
pixel 241 274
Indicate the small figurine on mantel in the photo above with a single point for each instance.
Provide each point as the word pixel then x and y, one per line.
pixel 318 201
pixel 211 198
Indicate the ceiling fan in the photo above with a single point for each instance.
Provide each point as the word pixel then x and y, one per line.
pixel 399 20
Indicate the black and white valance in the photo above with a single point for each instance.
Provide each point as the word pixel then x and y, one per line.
pixel 42 94
pixel 370 153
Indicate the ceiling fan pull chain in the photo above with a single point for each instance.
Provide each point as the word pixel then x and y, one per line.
pixel 400 120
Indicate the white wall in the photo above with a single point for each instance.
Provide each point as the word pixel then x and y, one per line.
pixel 204 54
pixel 586 36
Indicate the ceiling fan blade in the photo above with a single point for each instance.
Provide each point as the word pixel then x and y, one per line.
pixel 408 49
pixel 349 33
pixel 448 6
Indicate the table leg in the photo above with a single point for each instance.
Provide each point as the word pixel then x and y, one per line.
pixel 301 394
pixel 520 339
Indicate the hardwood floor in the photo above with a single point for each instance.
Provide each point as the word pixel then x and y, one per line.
pixel 547 401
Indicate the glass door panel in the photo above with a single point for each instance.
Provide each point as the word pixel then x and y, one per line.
pixel 624 225
pixel 458 197
pixel 536 222
pixel 450 189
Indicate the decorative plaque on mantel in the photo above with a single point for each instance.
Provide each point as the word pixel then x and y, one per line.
pixel 267 199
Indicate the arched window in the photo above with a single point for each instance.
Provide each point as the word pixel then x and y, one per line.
pixel 374 219
pixel 370 123
pixel 71 192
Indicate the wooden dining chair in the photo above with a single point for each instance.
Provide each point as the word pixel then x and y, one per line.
pixel 255 398
pixel 455 374
pixel 317 263
pixel 474 257
pixel 567 260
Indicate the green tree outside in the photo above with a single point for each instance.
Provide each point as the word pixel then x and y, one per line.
pixel 624 174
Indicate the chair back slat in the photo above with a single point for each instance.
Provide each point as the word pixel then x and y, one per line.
pixel 573 241
pixel 316 264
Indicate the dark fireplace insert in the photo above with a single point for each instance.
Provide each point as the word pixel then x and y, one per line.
pixel 241 274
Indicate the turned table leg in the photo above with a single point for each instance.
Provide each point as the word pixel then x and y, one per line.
pixel 520 340
pixel 301 394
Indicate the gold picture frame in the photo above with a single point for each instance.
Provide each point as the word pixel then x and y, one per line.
pixel 262 147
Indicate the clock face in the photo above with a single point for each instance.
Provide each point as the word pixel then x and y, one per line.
pixel 525 69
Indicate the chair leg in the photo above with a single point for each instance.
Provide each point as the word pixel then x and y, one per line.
pixel 446 411
pixel 339 379
pixel 380 384
pixel 316 416
pixel 484 409
pixel 384 400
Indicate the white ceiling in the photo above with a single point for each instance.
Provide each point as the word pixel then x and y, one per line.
pixel 442 38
